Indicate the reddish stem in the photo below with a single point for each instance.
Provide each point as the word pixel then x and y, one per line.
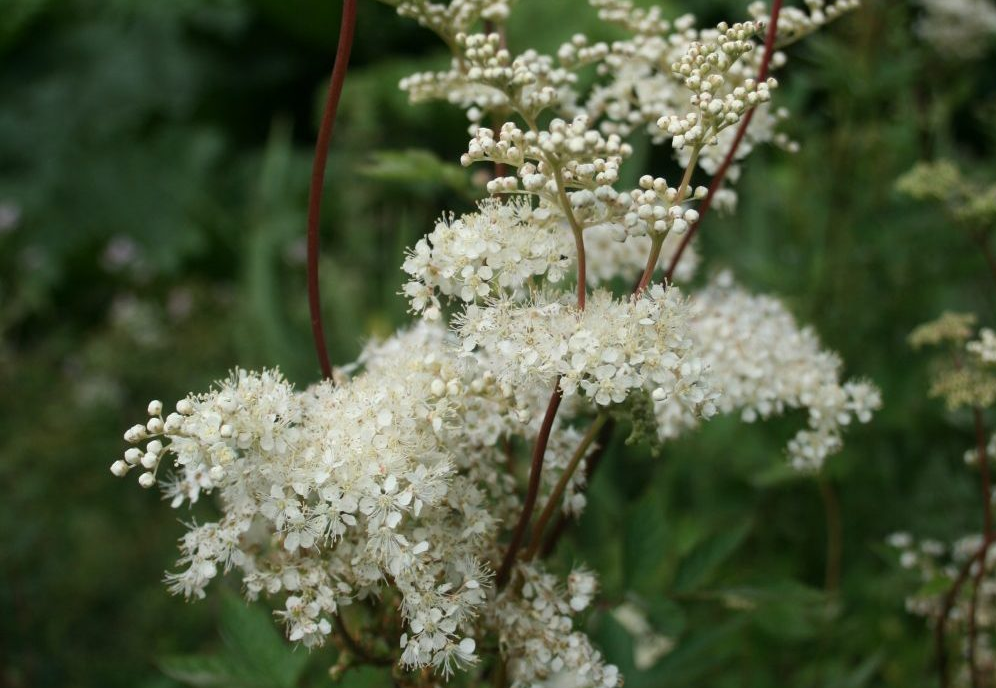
pixel 980 440
pixel 949 600
pixel 339 68
pixel 717 180
pixel 591 463
pixel 532 491
pixel 973 670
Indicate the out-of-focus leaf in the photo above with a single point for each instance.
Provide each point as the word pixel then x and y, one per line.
pixel 785 609
pixel 667 617
pixel 252 638
pixel 419 167
pixel 17 16
pixel 697 569
pixel 204 670
pixel 645 544
pixel 862 674
pixel 696 655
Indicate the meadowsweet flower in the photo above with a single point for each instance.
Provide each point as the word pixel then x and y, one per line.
pixel 498 249
pixel 394 485
pixel 959 29
pixel 762 363
pixel 536 627
pixel 605 352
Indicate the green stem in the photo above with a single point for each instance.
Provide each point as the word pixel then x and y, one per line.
pixel 553 501
pixel 658 238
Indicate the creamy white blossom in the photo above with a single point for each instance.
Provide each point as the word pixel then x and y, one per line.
pixel 394 484
pixel 762 363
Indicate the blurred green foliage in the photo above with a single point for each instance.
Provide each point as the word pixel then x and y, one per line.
pixel 153 177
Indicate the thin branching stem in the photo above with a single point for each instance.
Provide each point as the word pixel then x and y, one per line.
pixel 658 241
pixel 339 69
pixel 532 491
pixel 940 646
pixel 987 520
pixel 769 42
pixel 578 233
pixel 594 458
pixel 717 180
pixel 553 501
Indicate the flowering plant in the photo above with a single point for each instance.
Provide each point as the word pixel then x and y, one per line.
pixel 382 506
pixel 957 593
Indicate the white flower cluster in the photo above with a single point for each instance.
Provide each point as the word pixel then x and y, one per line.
pixel 330 493
pixel 702 70
pixel 500 248
pixel 609 258
pixel 484 77
pixel 984 347
pixel 454 17
pixel 537 633
pixel 608 351
pixel 959 29
pixel 650 74
pixel 396 485
pixel 762 363
pixel 938 567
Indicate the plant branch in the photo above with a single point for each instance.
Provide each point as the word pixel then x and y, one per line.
pixel 717 180
pixel 339 68
pixel 986 482
pixel 532 491
pixel 576 229
pixel 658 240
pixel 973 670
pixel 553 501
pixel 590 465
pixel 940 648
pixel 987 520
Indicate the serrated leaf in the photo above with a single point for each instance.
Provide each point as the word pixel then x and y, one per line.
pixel 697 569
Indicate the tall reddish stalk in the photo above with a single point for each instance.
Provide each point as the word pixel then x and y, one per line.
pixel 339 68
pixel 946 605
pixel 717 180
pixel 532 491
pixel 987 515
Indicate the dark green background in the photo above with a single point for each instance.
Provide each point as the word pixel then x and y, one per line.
pixel 184 129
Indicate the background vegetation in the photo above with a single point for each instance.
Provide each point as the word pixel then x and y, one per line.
pixel 153 180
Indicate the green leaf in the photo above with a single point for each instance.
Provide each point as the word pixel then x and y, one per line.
pixel 694 656
pixel 645 543
pixel 667 617
pixel 936 586
pixel 203 670
pixel 252 639
pixel 420 167
pixel 698 567
pixel 784 609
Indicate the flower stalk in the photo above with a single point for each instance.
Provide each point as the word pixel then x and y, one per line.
pixel 347 29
